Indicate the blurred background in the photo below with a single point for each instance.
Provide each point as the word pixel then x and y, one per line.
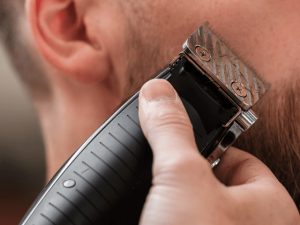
pixel 22 165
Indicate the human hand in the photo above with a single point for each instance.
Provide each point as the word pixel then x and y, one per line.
pixel 184 188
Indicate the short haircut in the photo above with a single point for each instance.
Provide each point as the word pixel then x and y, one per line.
pixel 26 62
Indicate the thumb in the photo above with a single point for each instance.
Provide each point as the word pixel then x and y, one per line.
pixel 167 126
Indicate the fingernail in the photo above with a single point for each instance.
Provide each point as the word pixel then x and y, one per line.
pixel 158 90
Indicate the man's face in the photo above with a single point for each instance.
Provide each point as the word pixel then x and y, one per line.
pixel 265 35
pixel 143 36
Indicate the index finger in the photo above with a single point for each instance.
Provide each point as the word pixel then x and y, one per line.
pixel 238 167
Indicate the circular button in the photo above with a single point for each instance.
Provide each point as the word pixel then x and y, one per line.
pixel 69 183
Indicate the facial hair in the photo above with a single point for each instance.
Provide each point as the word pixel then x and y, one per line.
pixel 274 139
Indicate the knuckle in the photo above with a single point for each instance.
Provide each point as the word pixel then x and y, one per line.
pixel 174 122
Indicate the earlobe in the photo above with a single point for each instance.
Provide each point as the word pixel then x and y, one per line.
pixel 61 37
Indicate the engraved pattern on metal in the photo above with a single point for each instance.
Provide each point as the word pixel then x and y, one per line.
pixel 225 68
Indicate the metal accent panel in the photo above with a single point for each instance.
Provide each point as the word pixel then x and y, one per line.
pixel 235 131
pixel 247 119
pixel 224 67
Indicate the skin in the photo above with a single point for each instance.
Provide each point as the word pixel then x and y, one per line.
pixel 179 195
pixel 86 51
pixel 96 54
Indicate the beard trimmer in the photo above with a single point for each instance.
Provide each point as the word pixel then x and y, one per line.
pixel 107 180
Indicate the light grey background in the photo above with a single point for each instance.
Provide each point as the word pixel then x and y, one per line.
pixel 21 150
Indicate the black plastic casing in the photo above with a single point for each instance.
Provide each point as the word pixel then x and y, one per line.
pixel 107 180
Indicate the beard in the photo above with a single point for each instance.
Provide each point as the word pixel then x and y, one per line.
pixel 274 139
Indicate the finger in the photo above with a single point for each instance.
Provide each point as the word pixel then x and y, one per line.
pixel 254 188
pixel 166 125
pixel 238 167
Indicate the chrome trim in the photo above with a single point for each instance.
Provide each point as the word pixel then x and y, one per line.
pixel 247 119
pixel 215 163
pixel 236 130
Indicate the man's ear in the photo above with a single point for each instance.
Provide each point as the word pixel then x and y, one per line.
pixel 61 36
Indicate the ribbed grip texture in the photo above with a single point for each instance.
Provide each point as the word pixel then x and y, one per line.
pixel 100 175
pixel 107 180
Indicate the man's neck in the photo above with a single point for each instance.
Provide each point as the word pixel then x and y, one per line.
pixel 70 118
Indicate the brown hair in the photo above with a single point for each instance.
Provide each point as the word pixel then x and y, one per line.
pixel 275 139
